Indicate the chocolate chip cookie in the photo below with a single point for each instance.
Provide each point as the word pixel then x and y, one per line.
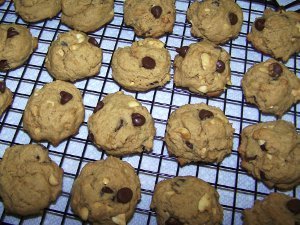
pixel 37 10
pixel 150 18
pixel 121 125
pixel 29 179
pixel 270 152
pixel 6 97
pixel 143 66
pixel 276 208
pixel 54 112
pixel 106 192
pixel 203 68
pixel 271 86
pixel 186 200
pixel 16 45
pixel 199 133
pixel 73 56
pixel 276 33
pixel 215 20
pixel 87 15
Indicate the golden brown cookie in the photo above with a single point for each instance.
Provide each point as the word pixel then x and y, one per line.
pixel 5 97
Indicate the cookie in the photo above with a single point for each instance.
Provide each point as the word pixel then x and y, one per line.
pixel 203 68
pixel 215 20
pixel 270 152
pixel 73 56
pixel 106 192
pixel 271 87
pixel 37 10
pixel 186 200
pixel 87 16
pixel 54 112
pixel 29 179
pixel 150 18
pixel 121 125
pixel 6 97
pixel 16 45
pixel 199 133
pixel 143 66
pixel 276 33
pixel 276 208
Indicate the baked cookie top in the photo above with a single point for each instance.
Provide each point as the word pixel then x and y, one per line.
pixel 186 200
pixel 276 33
pixel 16 45
pixel 73 56
pixel 142 66
pixel 199 133
pixel 29 179
pixel 271 86
pixel 270 152
pixel 215 20
pixel 203 68
pixel 6 97
pixel 150 18
pixel 121 125
pixel 54 112
pixel 87 15
pixel 106 192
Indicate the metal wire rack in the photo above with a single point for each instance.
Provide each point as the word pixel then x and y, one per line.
pixel 237 190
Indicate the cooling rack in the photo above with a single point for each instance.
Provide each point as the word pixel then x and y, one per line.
pixel 237 190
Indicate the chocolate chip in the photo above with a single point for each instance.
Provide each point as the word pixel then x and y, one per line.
pixel 233 18
pixel 205 114
pixel 124 195
pixel 189 144
pixel 275 70
pixel 138 119
pixel 93 41
pixel 293 205
pixel 119 126
pixel 263 148
pixel 148 63
pixel 182 51
pixel 156 11
pixel 2 86
pixel 64 43
pixel 260 24
pixel 107 190
pixel 11 32
pixel 220 66
pixel 3 64
pixel 65 97
pixel 99 106
pixel 173 221
pixel 263 175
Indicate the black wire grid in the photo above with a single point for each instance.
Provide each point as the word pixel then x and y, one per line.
pixel 237 190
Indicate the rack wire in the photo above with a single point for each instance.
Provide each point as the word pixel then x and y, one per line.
pixel 237 190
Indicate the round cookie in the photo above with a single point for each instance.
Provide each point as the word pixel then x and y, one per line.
pixel 87 15
pixel 6 97
pixel 215 20
pixel 121 125
pixel 271 86
pixel 199 133
pixel 150 18
pixel 73 56
pixel 143 66
pixel 54 112
pixel 186 200
pixel 276 208
pixel 270 152
pixel 37 10
pixel 16 45
pixel 203 68
pixel 276 33
pixel 106 192
pixel 29 179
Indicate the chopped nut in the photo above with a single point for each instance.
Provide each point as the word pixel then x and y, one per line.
pixel 205 59
pixel 204 203
pixel 133 104
pixel 203 89
pixel 53 181
pixel 80 38
pixel 157 44
pixel 105 180
pixel 269 156
pixel 261 142
pixel 119 219
pixel 84 213
pixel 60 52
pixel 185 133
pixel 74 47
pixel 263 69
pixel 131 83
pixel 207 10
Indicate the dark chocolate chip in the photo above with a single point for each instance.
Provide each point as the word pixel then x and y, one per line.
pixel 11 32
pixel 148 63
pixel 99 106
pixel 220 66
pixel 93 41
pixel 107 190
pixel 37 157
pixel 124 195
pixel 138 119
pixel 189 144
pixel 65 97
pixel 91 137
pixel 2 86
pixel 205 114
pixel 156 11
pixel 173 221
pixel 263 148
pixel 260 24
pixel 293 205
pixel 263 175
pixel 120 125
pixel 64 43
pixel 3 64
pixel 182 51
pixel 275 70
pixel 233 18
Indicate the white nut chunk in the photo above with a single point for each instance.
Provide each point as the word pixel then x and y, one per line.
pixel 185 133
pixel 203 89
pixel 84 213
pixel 204 203
pixel 205 59
pixel 53 181
pixel 261 142
pixel 119 219
pixel 80 38
pixel 60 52
pixel 105 180
pixel 133 104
